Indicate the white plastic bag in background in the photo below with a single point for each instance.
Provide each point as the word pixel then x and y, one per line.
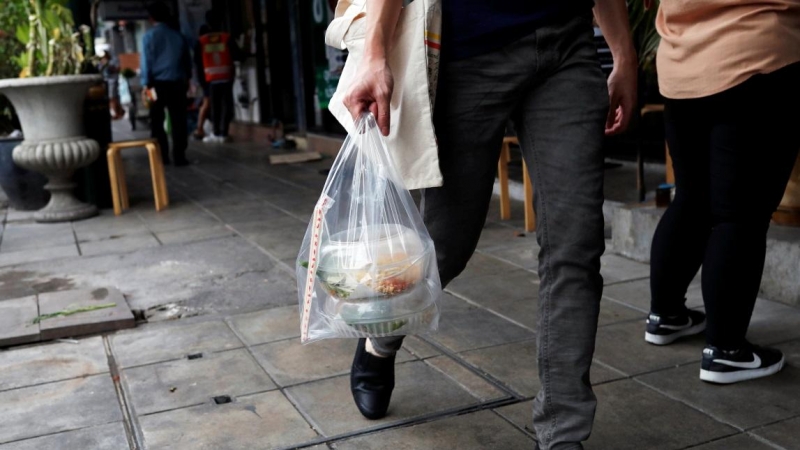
pixel 367 266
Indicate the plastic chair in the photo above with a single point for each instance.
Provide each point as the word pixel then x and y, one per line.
pixel 116 173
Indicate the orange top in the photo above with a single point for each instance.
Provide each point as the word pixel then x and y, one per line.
pixel 708 46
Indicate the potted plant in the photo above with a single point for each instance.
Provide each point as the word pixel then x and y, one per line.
pixel 48 98
pixel 642 14
pixel 24 189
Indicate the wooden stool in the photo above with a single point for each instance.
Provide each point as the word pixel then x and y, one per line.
pixel 502 175
pixel 116 173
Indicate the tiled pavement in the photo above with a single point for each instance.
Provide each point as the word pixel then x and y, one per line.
pixel 231 373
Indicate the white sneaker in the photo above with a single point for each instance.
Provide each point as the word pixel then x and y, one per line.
pixel 211 138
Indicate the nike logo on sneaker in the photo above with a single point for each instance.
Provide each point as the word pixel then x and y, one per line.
pixel 678 327
pixel 754 364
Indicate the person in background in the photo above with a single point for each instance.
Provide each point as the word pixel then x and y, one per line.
pixel 217 53
pixel 535 63
pixel 166 69
pixel 110 71
pixel 724 68
pixel 205 104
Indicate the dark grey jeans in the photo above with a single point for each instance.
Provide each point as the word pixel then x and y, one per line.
pixel 550 84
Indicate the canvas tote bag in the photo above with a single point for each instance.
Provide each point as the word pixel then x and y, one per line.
pixel 414 61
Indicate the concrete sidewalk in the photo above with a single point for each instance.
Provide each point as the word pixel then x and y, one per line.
pixel 218 365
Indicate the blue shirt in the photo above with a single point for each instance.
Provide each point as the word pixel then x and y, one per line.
pixel 165 56
pixel 473 27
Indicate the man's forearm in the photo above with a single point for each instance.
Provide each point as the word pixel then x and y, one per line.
pixel 382 16
pixel 612 16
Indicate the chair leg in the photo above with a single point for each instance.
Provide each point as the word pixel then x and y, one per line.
pixel 122 181
pixel 151 153
pixel 502 176
pixel 112 175
pixel 158 174
pixel 530 215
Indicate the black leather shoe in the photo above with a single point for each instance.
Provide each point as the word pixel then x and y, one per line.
pixel 371 382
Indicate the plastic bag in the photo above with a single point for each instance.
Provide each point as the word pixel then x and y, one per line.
pixel 367 266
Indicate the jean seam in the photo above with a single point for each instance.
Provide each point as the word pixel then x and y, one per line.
pixel 546 295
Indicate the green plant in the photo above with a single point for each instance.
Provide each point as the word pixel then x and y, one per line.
pixel 52 46
pixel 642 14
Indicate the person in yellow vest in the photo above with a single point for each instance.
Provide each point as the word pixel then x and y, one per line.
pixel 218 51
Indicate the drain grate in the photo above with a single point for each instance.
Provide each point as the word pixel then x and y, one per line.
pixel 222 399
pixel 194 356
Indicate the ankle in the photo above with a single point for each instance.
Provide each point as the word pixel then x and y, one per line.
pixel 371 350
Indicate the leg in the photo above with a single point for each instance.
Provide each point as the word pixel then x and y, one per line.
pixel 202 114
pixel 157 124
pixel 680 240
pixel 227 108
pixel 217 102
pixel 561 125
pixel 475 99
pixel 177 111
pixel 753 149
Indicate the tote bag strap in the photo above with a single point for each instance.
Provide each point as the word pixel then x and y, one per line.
pixel 347 11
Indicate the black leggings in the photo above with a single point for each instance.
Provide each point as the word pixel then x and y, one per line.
pixel 733 153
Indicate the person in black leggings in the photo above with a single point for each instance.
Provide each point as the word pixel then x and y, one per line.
pixel 733 153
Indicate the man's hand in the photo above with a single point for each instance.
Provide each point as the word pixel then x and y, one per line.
pixel 622 97
pixel 612 16
pixel 372 91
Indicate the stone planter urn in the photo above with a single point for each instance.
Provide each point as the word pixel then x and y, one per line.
pixel 50 110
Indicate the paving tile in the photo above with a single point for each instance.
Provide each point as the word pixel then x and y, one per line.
pixel 512 364
pixel 89 322
pixel 282 243
pixel 420 348
pixel 739 442
pixel 524 256
pixel 520 414
pixel 52 362
pixel 773 322
pixel 785 434
pixel 768 399
pixel 29 236
pixel 290 362
pixel 54 407
pixel 637 294
pixel 625 419
pixel 419 390
pixel 194 234
pixel 186 382
pixel 268 325
pixel 109 436
pixel 468 380
pixel 252 211
pixel 499 235
pixel 16 321
pixel 39 254
pixel 615 268
pixel 465 327
pixel 122 244
pixel 622 346
pixel 165 222
pixel 515 365
pixel 476 431
pixel 151 345
pixel 512 294
pixel 107 225
pixel 263 421
pixel 612 312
